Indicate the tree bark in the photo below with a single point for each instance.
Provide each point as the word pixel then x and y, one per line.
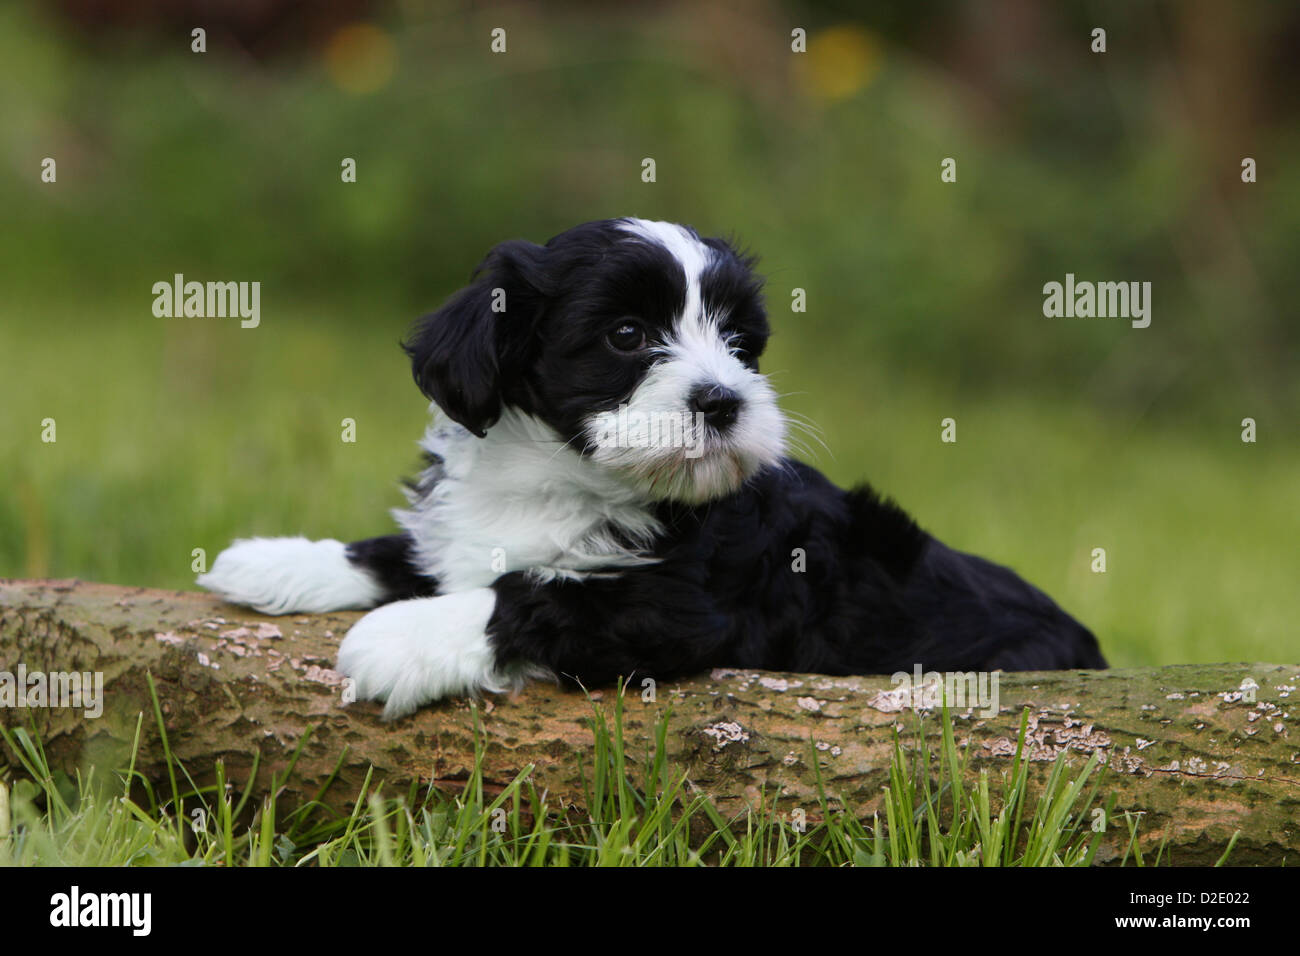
pixel 1185 746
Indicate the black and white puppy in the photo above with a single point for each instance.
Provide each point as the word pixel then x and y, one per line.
pixel 607 494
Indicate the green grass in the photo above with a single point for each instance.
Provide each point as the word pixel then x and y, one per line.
pixel 637 813
pixel 182 434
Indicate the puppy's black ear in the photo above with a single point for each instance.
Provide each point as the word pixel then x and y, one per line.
pixel 461 354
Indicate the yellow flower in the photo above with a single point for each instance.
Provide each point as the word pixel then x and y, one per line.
pixel 841 61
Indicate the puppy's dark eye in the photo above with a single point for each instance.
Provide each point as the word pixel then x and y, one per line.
pixel 628 337
pixel 740 347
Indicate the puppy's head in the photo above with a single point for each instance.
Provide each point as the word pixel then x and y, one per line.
pixel 636 341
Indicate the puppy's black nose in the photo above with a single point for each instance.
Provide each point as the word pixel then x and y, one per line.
pixel 718 405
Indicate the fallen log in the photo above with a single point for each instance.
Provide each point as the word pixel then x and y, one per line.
pixel 1197 755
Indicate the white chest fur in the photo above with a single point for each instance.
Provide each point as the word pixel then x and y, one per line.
pixel 520 500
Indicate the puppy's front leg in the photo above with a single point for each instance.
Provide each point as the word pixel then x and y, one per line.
pixel 413 652
pixel 644 622
pixel 292 575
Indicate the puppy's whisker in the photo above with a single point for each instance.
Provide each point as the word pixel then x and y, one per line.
pixel 801 417
pixel 808 448
pixel 811 430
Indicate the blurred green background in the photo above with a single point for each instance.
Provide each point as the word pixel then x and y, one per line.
pixel 924 297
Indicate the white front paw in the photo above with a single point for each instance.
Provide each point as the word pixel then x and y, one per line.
pixel 287 575
pixel 412 652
